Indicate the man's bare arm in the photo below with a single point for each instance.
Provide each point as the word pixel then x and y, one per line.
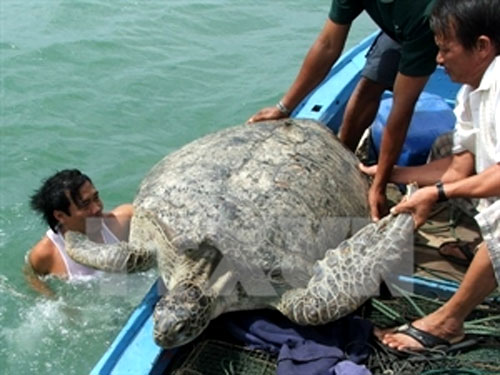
pixel 406 92
pixel 39 262
pixel 35 282
pixel 324 52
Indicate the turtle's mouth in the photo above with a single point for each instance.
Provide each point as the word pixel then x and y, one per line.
pixel 178 335
pixel 177 322
pixel 167 342
pixel 181 315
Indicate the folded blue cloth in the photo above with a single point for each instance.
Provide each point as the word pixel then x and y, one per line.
pixel 336 348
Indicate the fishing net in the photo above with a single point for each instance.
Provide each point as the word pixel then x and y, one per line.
pixel 209 355
pixel 222 358
pixel 482 327
pixel 452 220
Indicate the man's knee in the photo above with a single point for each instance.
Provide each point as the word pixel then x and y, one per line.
pixel 368 91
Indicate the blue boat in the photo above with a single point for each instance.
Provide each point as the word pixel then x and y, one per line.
pixel 133 351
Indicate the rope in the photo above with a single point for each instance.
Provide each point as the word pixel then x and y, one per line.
pixel 406 296
pixel 386 310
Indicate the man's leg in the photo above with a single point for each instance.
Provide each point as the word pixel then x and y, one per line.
pixel 360 111
pixel 377 76
pixel 447 322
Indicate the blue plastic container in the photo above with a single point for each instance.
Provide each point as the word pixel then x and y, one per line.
pixel 432 117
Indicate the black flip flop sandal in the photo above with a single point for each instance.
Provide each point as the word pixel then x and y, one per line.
pixel 431 344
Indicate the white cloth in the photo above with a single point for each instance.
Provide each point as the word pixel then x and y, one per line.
pixel 478 131
pixel 74 269
pixel 489 222
pixel 478 122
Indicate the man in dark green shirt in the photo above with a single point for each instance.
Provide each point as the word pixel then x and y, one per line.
pixel 407 23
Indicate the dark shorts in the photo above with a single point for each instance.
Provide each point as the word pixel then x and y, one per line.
pixel 382 61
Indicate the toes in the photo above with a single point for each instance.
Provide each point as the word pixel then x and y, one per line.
pixel 380 333
pixel 400 341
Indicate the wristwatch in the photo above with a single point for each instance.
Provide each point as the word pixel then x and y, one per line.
pixel 441 193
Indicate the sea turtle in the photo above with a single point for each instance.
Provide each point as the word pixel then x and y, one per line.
pixel 242 219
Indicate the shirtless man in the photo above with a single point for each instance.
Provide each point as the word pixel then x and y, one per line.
pixel 69 201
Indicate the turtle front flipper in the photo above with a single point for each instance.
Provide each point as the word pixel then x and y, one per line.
pixel 106 257
pixel 139 254
pixel 351 273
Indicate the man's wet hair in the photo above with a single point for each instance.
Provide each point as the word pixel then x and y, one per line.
pixel 52 194
pixel 469 19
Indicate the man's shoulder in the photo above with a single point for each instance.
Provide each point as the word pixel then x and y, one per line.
pixel 124 210
pixel 118 220
pixel 44 247
pixel 41 256
pixel 120 214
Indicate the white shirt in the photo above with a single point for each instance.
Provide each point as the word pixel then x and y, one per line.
pixel 75 269
pixel 478 121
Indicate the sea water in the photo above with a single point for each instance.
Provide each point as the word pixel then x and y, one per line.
pixel 110 87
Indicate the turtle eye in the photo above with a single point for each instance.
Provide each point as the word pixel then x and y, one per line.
pixel 179 327
pixel 193 294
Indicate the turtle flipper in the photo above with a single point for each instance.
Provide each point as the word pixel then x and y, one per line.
pixel 133 256
pixel 153 238
pixel 106 257
pixel 350 274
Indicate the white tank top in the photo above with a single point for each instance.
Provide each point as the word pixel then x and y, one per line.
pixel 73 268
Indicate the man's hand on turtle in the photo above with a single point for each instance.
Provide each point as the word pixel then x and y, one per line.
pixel 370 170
pixel 419 204
pixel 269 113
pixel 377 202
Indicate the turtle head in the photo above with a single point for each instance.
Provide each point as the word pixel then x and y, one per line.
pixel 181 315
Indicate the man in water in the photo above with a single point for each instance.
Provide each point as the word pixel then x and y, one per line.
pixel 68 201
pixel 401 59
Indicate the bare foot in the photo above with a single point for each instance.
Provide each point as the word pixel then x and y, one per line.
pixel 435 324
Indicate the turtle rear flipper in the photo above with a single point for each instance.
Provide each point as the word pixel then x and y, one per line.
pixel 351 273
